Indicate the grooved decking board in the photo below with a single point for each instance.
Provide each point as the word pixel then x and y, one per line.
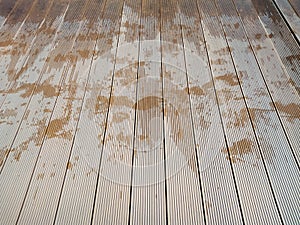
pixel 284 94
pixel 273 144
pixel 148 197
pixel 242 146
pixel 112 199
pixel 296 5
pixel 210 143
pixel 8 32
pixel 27 144
pixel 149 112
pixel 15 83
pixel 283 40
pixel 290 15
pixel 182 176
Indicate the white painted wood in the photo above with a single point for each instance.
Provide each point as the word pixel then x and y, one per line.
pixel 210 141
pixel 258 204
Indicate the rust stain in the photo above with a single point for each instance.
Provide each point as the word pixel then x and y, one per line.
pixel 230 79
pixel 292 109
pixel 239 149
pixel 69 165
pixel 120 117
pixel 218 62
pixel 148 102
pixel 122 101
pixel 101 104
pixel 40 176
pixel 8 113
pixel 195 91
pixel 3 154
pixel 236 25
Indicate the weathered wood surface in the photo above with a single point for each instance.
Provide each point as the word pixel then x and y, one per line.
pixel 149 112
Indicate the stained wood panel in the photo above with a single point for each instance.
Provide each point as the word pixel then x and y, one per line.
pixel 181 157
pixel 242 146
pixel 148 198
pixel 213 166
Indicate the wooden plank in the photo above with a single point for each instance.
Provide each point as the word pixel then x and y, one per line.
pixel 148 197
pixel 275 149
pixel 14 101
pixel 20 47
pixel 296 6
pixel 184 193
pixel 8 32
pixel 210 142
pixel 26 147
pixel 112 200
pixel 56 147
pixel 6 7
pixel 290 15
pixel 285 44
pixel 81 178
pixel 248 167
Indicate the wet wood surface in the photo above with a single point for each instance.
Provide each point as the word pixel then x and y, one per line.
pixel 149 112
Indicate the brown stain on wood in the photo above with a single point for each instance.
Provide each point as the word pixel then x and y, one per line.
pixel 230 79
pixel 239 149
pixel 149 102
pixel 292 110
pixel 195 91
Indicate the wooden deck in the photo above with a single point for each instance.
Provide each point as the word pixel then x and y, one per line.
pixel 149 112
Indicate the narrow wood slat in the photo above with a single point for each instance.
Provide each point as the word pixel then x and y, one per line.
pixel 56 147
pixel 275 149
pixel 26 148
pixel 148 200
pixel 296 6
pixel 210 142
pixel 8 32
pixel 184 196
pixel 290 15
pixel 282 88
pixel 6 7
pixel 14 98
pixel 81 177
pixel 285 44
pixel 255 194
pixel 21 45
pixel 113 191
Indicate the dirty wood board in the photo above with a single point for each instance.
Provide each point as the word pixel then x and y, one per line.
pixel 149 112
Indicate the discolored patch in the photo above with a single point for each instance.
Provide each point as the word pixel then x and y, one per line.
pixel 230 79
pixel 292 110
pixel 239 149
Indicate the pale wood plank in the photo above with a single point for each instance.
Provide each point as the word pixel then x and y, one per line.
pixel 148 200
pixel 15 98
pixel 55 151
pixel 283 169
pixel 216 173
pixel 282 39
pixel 26 147
pixel 290 15
pixel 296 6
pixel 81 177
pixel 113 191
pixel 9 31
pixel 255 194
pixel 184 197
